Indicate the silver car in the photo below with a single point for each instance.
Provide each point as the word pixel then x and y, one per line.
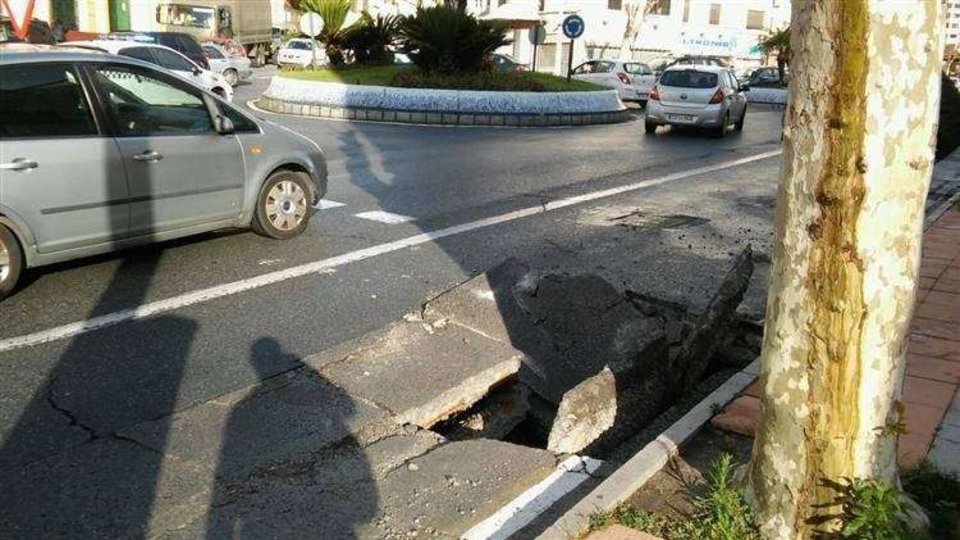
pixel 100 152
pixel 233 68
pixel 706 97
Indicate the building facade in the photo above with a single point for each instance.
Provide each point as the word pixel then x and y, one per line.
pixel 730 29
pixel 951 24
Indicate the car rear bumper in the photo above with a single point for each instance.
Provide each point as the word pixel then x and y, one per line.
pixel 709 116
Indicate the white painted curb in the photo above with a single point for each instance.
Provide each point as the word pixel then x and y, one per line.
pixel 630 477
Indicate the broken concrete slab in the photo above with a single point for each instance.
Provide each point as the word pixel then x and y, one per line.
pixel 713 325
pixel 493 417
pixel 450 489
pixel 445 371
pixel 608 407
pixel 567 326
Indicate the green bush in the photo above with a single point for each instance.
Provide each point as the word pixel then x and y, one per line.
pixel 444 39
pixel 370 38
pixel 939 494
pixel 874 510
pixel 948 132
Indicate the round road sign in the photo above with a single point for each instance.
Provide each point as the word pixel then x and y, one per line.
pixel 537 34
pixel 311 24
pixel 573 26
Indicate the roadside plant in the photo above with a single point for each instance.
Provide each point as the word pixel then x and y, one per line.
pixel 875 510
pixel 444 39
pixel 334 34
pixel 371 38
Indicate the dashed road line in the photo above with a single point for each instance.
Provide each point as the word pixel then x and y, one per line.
pixel 326 204
pixel 329 265
pixel 384 217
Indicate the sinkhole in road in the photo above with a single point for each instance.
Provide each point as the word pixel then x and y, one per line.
pixel 636 219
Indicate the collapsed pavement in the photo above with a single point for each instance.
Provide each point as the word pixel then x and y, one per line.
pixel 427 426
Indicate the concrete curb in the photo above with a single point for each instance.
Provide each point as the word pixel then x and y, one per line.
pixel 630 477
pixel 442 107
pixel 774 96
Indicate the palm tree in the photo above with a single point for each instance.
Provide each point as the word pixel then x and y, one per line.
pixel 334 34
pixel 778 43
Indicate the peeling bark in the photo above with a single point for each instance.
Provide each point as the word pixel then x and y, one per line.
pixel 857 161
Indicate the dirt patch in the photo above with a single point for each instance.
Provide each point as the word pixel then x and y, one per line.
pixel 671 491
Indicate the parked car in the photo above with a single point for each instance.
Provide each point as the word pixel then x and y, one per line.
pixel 102 152
pixel 40 32
pixel 706 97
pixel 299 52
pixel 233 68
pixel 632 79
pixel 507 63
pixel 163 57
pixel 181 42
pixel 766 77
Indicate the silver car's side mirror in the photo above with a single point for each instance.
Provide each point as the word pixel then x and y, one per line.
pixel 225 125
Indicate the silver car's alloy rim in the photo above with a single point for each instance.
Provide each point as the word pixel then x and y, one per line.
pixel 286 205
pixel 4 262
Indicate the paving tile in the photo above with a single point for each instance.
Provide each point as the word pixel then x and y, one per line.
pixel 741 416
pixel 927 392
pixel 940 312
pixel 935 328
pixel 912 449
pixel 946 456
pixel 926 283
pixel 754 390
pixel 933 346
pixel 922 419
pixel 938 369
pixel 947 285
pixel 941 298
pixel 933 269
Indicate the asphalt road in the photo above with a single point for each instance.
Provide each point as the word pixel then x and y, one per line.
pixel 493 193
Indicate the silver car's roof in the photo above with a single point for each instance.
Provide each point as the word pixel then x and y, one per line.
pixel 697 67
pixel 20 53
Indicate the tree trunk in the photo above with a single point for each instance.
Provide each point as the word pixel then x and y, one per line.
pixel 857 160
pixel 635 11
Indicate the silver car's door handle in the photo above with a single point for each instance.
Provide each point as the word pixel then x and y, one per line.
pixel 19 164
pixel 149 155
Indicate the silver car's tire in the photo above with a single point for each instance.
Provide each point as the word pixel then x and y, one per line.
pixel 721 131
pixel 231 76
pixel 743 118
pixel 11 262
pixel 284 206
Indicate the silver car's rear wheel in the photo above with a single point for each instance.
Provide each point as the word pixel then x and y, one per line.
pixel 283 208
pixel 231 76
pixel 11 262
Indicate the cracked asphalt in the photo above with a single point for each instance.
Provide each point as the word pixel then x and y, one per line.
pixel 111 422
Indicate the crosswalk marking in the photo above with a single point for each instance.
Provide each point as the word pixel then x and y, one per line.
pixel 325 204
pixel 384 217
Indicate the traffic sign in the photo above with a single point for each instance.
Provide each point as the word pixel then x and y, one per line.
pixel 573 26
pixel 311 24
pixel 537 34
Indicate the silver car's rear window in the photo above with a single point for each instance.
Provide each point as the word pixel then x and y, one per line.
pixel 689 78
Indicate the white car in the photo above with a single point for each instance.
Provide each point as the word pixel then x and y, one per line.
pixel 633 80
pixel 233 68
pixel 299 52
pixel 706 97
pixel 164 57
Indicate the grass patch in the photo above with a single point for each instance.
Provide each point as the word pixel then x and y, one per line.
pixel 411 77
pixel 373 75
pixel 720 514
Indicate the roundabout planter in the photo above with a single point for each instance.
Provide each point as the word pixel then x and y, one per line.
pixel 451 107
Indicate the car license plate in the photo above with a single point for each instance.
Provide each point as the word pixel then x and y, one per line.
pixel 680 117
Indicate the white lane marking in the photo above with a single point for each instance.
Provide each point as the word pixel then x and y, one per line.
pixel 519 512
pixel 325 204
pixel 328 265
pixel 384 217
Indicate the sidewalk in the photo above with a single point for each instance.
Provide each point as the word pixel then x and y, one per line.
pixel 931 400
